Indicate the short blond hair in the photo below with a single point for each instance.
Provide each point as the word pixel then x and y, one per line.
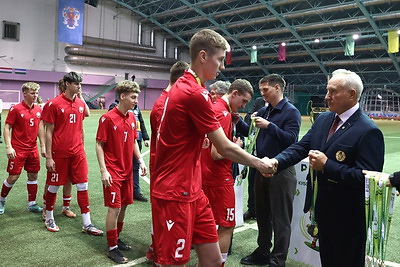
pixel 126 87
pixel 207 40
pixel 30 85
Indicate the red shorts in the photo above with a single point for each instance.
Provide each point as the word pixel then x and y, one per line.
pixel 73 168
pixel 29 160
pixel 120 193
pixel 178 225
pixel 222 201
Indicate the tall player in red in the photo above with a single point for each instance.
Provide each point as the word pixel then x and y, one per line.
pixel 175 72
pixel 65 154
pixel 116 142
pixel 181 212
pixel 21 130
pixel 217 171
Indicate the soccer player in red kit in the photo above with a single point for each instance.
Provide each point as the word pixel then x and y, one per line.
pixel 65 154
pixel 21 130
pixel 181 213
pixel 175 72
pixel 217 171
pixel 115 142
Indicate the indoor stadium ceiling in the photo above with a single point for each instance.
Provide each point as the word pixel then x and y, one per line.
pixel 298 23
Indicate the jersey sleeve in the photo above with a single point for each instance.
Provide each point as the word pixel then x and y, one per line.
pixel 102 129
pixel 12 116
pixel 49 113
pixel 201 112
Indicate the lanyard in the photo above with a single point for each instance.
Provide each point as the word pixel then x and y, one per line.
pixel 195 76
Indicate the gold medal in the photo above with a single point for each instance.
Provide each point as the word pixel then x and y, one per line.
pixel 340 156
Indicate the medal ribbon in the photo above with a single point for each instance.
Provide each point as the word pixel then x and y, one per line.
pixel 249 145
pixel 379 202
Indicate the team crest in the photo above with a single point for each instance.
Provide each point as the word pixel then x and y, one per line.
pixel 340 156
pixel 38 114
pixel 22 115
pixel 205 94
pixel 103 119
pixel 71 17
pixel 62 110
pixel 225 113
pixel 80 109
pixel 115 127
pixel 133 125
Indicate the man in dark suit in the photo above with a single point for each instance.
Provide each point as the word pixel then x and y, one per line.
pixel 338 152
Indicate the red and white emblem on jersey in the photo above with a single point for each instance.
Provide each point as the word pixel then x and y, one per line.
pixel 133 126
pixel 103 119
pixel 225 113
pixel 38 114
pixel 205 94
pixel 80 109
pixel 115 127
pixel 22 115
pixel 62 110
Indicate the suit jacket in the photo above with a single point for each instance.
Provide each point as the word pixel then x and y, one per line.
pixel 357 145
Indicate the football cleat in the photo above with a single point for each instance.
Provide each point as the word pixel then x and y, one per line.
pixel 68 213
pixel 117 256
pixel 51 225
pixel 2 206
pixel 35 208
pixel 91 230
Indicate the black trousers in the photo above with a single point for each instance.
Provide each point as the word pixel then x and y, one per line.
pixel 274 209
pixel 339 246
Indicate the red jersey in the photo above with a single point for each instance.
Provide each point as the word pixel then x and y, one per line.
pixel 67 116
pixel 155 118
pixel 118 133
pixel 218 172
pixel 188 117
pixel 25 125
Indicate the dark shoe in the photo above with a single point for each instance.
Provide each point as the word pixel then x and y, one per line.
pixel 123 246
pixel 249 215
pixel 117 256
pixel 141 198
pixel 255 258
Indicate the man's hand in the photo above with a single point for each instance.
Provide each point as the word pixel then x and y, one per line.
pixel 11 153
pixel 261 123
pixel 142 166
pixel 238 141
pixel 106 178
pixel 206 143
pixel 317 160
pixel 268 167
pixel 50 165
pixel 146 143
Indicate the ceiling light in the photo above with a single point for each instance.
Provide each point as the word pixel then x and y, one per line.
pixel 254 47
pixel 283 44
pixel 316 40
pixel 398 32
pixel 356 36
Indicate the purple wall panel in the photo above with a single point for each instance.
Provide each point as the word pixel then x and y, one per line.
pixel 151 95
pixel 153 83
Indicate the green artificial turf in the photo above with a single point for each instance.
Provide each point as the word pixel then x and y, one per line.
pixel 24 241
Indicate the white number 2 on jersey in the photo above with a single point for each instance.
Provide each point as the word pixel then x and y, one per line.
pixel 181 246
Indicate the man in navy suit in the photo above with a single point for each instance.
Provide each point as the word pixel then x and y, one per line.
pixel 338 152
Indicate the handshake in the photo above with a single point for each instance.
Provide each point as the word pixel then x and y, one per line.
pixel 267 166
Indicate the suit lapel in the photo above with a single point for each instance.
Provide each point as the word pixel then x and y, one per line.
pixel 350 122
